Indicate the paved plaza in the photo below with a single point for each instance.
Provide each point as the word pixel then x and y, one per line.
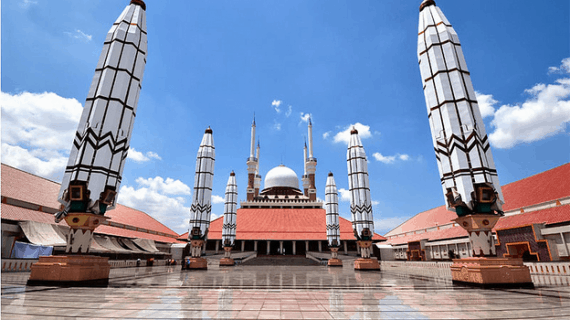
pixel 279 292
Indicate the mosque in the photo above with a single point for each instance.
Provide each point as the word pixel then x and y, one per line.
pixel 281 218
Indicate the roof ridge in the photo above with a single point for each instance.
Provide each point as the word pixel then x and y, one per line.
pixel 153 218
pixel 536 174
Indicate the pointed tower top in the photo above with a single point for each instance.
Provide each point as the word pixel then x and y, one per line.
pixel 258 144
pixel 426 3
pixel 353 131
pixel 232 174
pixel 209 130
pixel 139 3
pixel 330 174
pixel 253 123
pixel 310 123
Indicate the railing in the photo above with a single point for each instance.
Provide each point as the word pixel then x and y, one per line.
pixel 22 265
pixel 17 265
pixel 549 268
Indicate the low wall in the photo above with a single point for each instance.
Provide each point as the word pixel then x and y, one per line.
pixel 21 265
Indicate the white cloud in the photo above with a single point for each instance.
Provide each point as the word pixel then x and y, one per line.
pixel 344 136
pixel 168 186
pixel 305 117
pixel 390 159
pixel 217 199
pixel 138 156
pixel 27 3
pixel 545 113
pixel 276 125
pixel 80 35
pixel 289 111
pixel 275 104
pixel 326 135
pixel 374 202
pixel 563 68
pixel 486 104
pixel 382 226
pixel 344 194
pixel 37 131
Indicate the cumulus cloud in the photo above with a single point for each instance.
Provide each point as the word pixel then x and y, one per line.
pixel 545 113
pixel 138 156
pixel 390 159
pixel 374 202
pixel 344 194
pixel 486 104
pixel 217 199
pixel 326 135
pixel 80 35
pixel 37 131
pixel 563 68
pixel 276 125
pixel 168 186
pixel 344 136
pixel 275 104
pixel 305 117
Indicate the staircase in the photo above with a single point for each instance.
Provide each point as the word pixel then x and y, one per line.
pixel 280 260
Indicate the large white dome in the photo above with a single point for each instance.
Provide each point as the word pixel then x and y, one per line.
pixel 281 176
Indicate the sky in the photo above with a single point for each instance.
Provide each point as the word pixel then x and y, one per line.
pixel 344 63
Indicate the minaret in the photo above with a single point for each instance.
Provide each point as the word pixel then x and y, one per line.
pixel 201 201
pixel 311 164
pixel 360 202
pixel 305 178
pixel 94 170
pixel 333 228
pixel 257 181
pixel 95 167
pixel 251 165
pixel 467 170
pixel 229 226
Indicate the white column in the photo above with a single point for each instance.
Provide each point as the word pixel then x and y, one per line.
pixel 294 247
pixel 268 247
pixel 281 247
pixel 345 247
pixel 320 246
pixel 217 246
pixel 242 245
pixel 255 245
pixel 307 245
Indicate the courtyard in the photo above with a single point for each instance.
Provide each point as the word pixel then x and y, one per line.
pixel 281 292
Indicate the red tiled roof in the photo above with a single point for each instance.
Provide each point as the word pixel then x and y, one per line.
pixel 281 224
pixel 545 186
pixel 21 185
pixel 548 216
pixel 22 214
pixel 447 233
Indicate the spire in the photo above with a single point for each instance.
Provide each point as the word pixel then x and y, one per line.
pixel 331 207
pixel 201 208
pixel 230 209
pixel 252 149
pixel 456 125
pixel 305 158
pixel 310 139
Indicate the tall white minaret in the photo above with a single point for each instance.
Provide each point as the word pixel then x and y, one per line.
pixel 229 226
pixel 305 178
pixel 252 165
pixel 97 158
pixel 359 187
pixel 201 208
pixel 257 180
pixel 468 176
pixel 311 165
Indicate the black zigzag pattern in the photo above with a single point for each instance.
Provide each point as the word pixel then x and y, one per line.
pixel 229 226
pixel 98 142
pixel 465 145
pixel 333 227
pixel 198 208
pixel 360 209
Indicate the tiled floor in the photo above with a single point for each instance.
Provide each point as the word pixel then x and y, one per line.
pixel 259 292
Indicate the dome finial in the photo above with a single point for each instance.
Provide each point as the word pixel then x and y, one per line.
pixel 426 3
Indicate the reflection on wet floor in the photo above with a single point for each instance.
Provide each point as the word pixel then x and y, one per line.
pixel 264 292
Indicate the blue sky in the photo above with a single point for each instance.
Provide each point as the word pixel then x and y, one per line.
pixel 216 63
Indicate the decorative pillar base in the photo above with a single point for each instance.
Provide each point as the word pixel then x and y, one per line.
pixel 79 270
pixel 196 264
pixel 227 262
pixel 366 264
pixel 490 272
pixel 334 262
